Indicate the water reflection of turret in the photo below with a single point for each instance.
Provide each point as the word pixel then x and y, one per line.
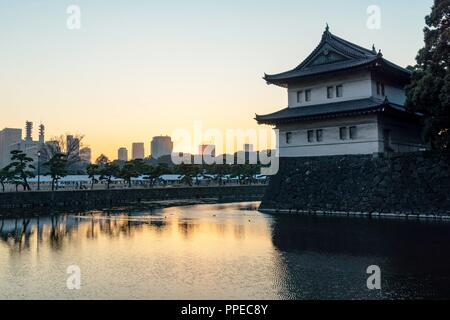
pixel 356 237
pixel 317 251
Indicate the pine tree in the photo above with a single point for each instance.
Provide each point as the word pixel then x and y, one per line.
pixel 21 168
pixel 57 168
pixel 429 92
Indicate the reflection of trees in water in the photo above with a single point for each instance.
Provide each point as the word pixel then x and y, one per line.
pixel 239 231
pixel 56 230
pixel 19 238
pixel 187 229
pixel 127 225
pixel 90 232
pixel 114 225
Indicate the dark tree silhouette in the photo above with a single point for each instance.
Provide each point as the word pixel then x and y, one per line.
pixel 106 170
pixel 132 169
pixel 5 176
pixel 21 168
pixel 57 167
pixel 92 170
pixel 429 92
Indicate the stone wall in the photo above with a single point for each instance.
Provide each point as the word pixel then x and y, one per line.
pixel 36 202
pixel 401 184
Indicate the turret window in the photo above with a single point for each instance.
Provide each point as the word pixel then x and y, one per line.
pixel 330 92
pixel 319 135
pixel 288 137
pixel 343 133
pixel 353 133
pixel 299 96
pixel 311 136
pixel 339 91
pixel 308 95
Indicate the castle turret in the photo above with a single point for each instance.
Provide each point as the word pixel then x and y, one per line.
pixel 344 99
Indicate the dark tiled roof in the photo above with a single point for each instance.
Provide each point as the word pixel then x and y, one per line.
pixel 328 110
pixel 320 69
pixel 350 56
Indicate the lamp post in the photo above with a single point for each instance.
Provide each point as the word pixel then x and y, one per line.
pixel 39 170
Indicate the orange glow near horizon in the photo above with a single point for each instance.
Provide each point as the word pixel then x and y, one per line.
pixel 142 69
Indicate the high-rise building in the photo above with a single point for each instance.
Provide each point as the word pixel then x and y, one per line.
pixel 86 155
pixel 41 134
pixel 122 154
pixel 10 139
pixel 72 146
pixel 29 131
pixel 54 146
pixel 29 146
pixel 138 151
pixel 207 150
pixel 49 149
pixel 161 146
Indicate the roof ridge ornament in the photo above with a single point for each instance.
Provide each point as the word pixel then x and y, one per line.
pixel 374 49
pixel 380 54
pixel 326 33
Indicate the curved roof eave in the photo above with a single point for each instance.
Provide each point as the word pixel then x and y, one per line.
pixel 357 56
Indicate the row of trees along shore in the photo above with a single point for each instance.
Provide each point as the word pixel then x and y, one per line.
pixel 22 168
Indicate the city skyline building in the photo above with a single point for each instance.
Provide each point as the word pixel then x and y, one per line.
pixel 50 148
pixel 86 154
pixel 73 145
pixel 207 150
pixel 28 131
pixel 138 151
pixel 122 154
pixel 13 139
pixel 9 137
pixel 161 146
pixel 42 134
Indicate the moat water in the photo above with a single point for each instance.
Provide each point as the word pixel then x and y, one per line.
pixel 226 251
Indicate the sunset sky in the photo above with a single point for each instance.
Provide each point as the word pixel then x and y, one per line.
pixel 140 68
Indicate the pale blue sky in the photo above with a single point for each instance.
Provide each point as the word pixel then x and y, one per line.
pixel 148 67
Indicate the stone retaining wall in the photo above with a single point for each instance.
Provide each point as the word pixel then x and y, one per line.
pixel 28 202
pixel 372 185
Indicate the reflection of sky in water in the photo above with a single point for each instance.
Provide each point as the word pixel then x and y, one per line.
pixel 220 252
pixel 192 252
